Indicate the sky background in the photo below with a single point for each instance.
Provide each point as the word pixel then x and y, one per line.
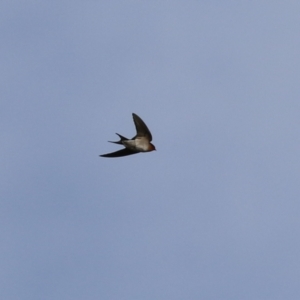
pixel 214 213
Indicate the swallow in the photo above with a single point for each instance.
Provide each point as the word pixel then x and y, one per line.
pixel 139 143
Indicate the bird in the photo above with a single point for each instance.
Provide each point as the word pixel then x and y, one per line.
pixel 139 143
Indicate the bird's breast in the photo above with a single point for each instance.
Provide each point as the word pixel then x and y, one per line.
pixel 138 144
pixel 142 144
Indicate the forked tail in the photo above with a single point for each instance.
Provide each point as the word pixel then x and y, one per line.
pixel 122 138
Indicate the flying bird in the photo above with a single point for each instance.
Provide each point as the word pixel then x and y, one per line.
pixel 139 143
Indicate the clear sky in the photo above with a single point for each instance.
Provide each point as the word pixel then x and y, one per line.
pixel 214 213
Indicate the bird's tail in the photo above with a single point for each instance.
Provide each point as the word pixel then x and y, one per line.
pixel 122 138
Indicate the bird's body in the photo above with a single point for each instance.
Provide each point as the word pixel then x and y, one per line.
pixel 139 143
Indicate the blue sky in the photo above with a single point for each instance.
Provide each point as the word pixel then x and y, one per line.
pixel 213 213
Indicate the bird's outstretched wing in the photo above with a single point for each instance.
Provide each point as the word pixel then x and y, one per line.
pixel 122 152
pixel 141 128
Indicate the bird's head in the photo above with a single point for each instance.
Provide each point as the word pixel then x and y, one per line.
pixel 152 147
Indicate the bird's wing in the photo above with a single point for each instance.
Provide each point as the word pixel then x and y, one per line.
pixel 122 152
pixel 141 127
